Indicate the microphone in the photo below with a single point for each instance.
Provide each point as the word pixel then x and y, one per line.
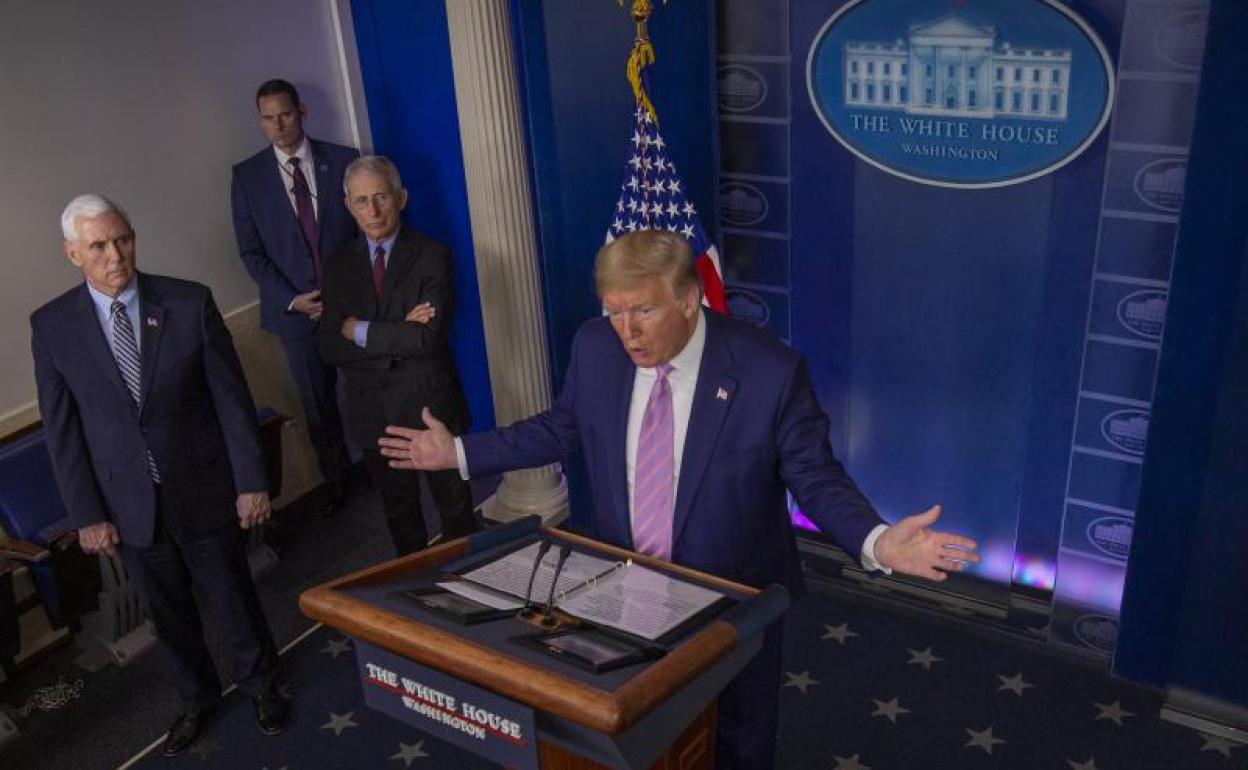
pixel 549 619
pixel 542 548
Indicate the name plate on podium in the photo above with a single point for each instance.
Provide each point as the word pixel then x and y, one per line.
pixel 474 719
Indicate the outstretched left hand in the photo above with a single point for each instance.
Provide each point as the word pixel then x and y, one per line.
pixel 910 548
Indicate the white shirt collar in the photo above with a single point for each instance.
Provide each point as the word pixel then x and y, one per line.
pixel 303 153
pixel 128 296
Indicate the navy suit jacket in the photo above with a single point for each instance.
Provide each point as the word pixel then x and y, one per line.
pixel 270 241
pixel 755 430
pixel 196 415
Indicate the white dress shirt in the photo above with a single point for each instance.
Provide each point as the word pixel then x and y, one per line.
pixel 683 379
pixel 306 165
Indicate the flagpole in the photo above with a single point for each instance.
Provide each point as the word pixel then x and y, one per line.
pixel 642 54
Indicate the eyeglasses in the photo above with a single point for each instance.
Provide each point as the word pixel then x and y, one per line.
pixel 381 200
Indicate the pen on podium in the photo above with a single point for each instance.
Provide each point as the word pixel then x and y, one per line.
pixel 527 612
pixel 549 619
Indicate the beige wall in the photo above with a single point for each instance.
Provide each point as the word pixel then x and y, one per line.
pixel 150 102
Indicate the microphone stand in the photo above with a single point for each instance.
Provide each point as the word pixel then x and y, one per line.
pixel 549 619
pixel 527 612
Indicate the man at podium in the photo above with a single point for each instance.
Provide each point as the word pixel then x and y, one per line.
pixel 693 426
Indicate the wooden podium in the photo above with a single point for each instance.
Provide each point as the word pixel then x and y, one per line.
pixel 425 669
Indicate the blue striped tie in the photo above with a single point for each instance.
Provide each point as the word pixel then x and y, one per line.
pixel 127 353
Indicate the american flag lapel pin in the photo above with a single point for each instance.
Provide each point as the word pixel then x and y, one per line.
pixel 152 322
pixel 721 394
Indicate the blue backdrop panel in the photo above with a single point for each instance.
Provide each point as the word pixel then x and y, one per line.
pixel 405 59
pixel 944 326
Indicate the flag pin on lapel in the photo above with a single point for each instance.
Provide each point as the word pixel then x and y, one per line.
pixel 152 322
pixel 721 394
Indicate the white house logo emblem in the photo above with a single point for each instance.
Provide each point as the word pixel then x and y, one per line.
pixel 1127 430
pixel 742 204
pixel 1180 40
pixel 1143 313
pixel 1111 535
pixel 1160 184
pixel 1096 631
pixel 747 306
pixel 740 88
pixel 995 95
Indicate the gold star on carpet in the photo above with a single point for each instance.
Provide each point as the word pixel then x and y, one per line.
pixel 849 763
pixel 984 739
pixel 409 753
pixel 839 633
pixel 339 722
pixel 1113 712
pixel 1014 684
pixel 335 647
pixel 891 709
pixel 924 658
pixel 800 681
pixel 1219 744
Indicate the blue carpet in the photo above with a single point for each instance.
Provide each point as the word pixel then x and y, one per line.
pixel 330 728
pixel 869 687
pixel 866 688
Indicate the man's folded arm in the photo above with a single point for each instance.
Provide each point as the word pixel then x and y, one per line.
pixel 406 339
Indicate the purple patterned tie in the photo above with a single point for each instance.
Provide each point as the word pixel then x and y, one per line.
pixel 307 214
pixel 379 270
pixel 654 480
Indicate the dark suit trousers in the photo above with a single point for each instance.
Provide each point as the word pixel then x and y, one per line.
pixel 748 710
pixel 215 563
pixel 318 390
pixel 401 499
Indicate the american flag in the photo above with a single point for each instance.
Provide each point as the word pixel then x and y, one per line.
pixel 652 197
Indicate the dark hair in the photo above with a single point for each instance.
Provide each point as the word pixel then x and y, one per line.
pixel 277 86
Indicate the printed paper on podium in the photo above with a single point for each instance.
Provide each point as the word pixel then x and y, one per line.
pixel 621 595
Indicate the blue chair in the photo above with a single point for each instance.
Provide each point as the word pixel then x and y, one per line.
pixel 32 514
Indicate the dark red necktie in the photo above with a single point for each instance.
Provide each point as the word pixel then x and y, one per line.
pixel 306 211
pixel 379 269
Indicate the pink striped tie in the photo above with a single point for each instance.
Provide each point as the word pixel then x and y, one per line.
pixel 655 482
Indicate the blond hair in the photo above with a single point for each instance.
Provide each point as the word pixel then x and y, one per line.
pixel 636 257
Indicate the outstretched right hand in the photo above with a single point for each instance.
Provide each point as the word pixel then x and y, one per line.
pixel 420 450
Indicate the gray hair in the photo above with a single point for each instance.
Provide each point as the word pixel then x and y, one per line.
pixel 89 205
pixel 378 165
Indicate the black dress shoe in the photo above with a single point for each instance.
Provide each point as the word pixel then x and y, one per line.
pixel 183 732
pixel 272 713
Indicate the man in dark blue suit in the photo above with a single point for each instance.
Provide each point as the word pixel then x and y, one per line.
pixel 693 426
pixel 157 455
pixel 289 218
